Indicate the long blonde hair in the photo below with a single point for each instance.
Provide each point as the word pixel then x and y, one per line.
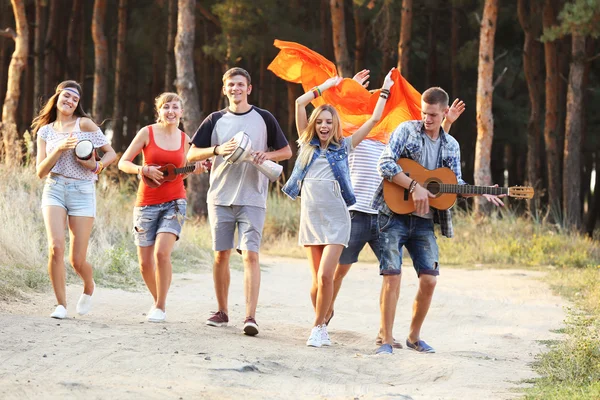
pixel 306 150
pixel 48 112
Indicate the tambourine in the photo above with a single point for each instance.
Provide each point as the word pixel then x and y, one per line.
pixel 84 149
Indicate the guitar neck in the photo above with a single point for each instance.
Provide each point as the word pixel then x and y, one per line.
pixel 472 189
pixel 185 170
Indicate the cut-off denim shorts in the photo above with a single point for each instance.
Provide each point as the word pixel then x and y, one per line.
pixel 414 233
pixel 76 196
pixel 364 229
pixel 149 221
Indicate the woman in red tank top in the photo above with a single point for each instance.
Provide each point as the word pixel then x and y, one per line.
pixel 160 206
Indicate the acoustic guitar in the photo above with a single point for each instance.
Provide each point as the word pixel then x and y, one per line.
pixel 170 172
pixel 442 183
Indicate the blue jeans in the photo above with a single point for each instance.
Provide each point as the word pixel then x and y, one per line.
pixel 364 229
pixel 149 221
pixel 414 233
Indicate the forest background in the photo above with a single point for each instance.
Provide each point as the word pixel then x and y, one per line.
pixel 527 70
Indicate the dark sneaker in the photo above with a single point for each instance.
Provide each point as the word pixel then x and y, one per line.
pixel 420 346
pixel 395 344
pixel 218 319
pixel 384 349
pixel 250 327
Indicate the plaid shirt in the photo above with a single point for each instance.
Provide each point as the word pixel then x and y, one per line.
pixel 407 141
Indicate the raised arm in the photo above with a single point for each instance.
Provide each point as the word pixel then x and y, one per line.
pixel 302 101
pixel 455 110
pixel 364 130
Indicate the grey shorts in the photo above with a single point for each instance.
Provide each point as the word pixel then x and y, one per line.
pixel 149 221
pixel 249 221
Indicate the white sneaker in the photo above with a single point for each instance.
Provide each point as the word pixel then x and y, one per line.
pixel 157 315
pixel 84 305
pixel 60 312
pixel 315 337
pixel 325 340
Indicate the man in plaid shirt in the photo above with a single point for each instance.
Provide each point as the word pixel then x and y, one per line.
pixel 426 142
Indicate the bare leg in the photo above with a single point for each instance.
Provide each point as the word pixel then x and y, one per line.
pixel 55 219
pixel 221 278
pixel 421 305
pixel 314 254
pixel 147 268
pixel 329 260
pixel 251 281
pixel 80 229
pixel 164 270
pixel 390 292
pixel 340 272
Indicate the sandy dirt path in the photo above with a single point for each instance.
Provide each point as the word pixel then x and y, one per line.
pixel 484 324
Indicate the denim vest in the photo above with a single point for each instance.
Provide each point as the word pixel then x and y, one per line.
pixel 337 157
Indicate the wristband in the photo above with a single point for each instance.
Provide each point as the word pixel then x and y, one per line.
pixel 99 167
pixel 215 150
pixel 412 186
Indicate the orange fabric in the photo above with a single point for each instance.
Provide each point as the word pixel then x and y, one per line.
pixel 355 104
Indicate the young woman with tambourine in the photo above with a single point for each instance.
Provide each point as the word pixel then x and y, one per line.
pixel 160 206
pixel 69 189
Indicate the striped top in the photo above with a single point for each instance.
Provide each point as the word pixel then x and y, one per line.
pixel 364 175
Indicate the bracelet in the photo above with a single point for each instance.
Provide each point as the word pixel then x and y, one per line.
pixel 215 150
pixel 385 91
pixel 99 168
pixel 95 170
pixel 316 91
pixel 412 186
pixel 383 96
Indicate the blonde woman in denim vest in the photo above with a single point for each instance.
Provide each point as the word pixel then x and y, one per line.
pixel 69 197
pixel 322 172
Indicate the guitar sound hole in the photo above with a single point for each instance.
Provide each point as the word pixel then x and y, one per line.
pixel 433 187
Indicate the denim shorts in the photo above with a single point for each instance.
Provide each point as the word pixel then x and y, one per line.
pixel 414 233
pixel 149 221
pixel 364 229
pixel 76 196
pixel 249 221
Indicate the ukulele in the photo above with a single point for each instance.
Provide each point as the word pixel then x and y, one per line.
pixel 442 183
pixel 170 172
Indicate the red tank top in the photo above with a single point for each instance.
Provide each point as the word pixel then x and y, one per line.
pixel 168 191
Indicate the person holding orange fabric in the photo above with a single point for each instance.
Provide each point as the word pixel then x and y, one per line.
pixel 160 211
pixel 321 170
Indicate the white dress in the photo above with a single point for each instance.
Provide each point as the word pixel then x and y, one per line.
pixel 324 216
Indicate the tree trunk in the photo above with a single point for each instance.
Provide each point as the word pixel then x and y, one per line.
pixel 551 130
pixel 50 59
pixel 485 90
pixel 100 60
pixel 574 123
pixel 39 30
pixel 532 68
pixel 187 89
pixel 405 33
pixel 169 63
pixel 73 38
pixel 8 126
pixel 431 65
pixel 118 139
pixel 325 26
pixel 454 45
pixel 386 46
pixel 340 44
pixel 360 40
pixel 81 54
